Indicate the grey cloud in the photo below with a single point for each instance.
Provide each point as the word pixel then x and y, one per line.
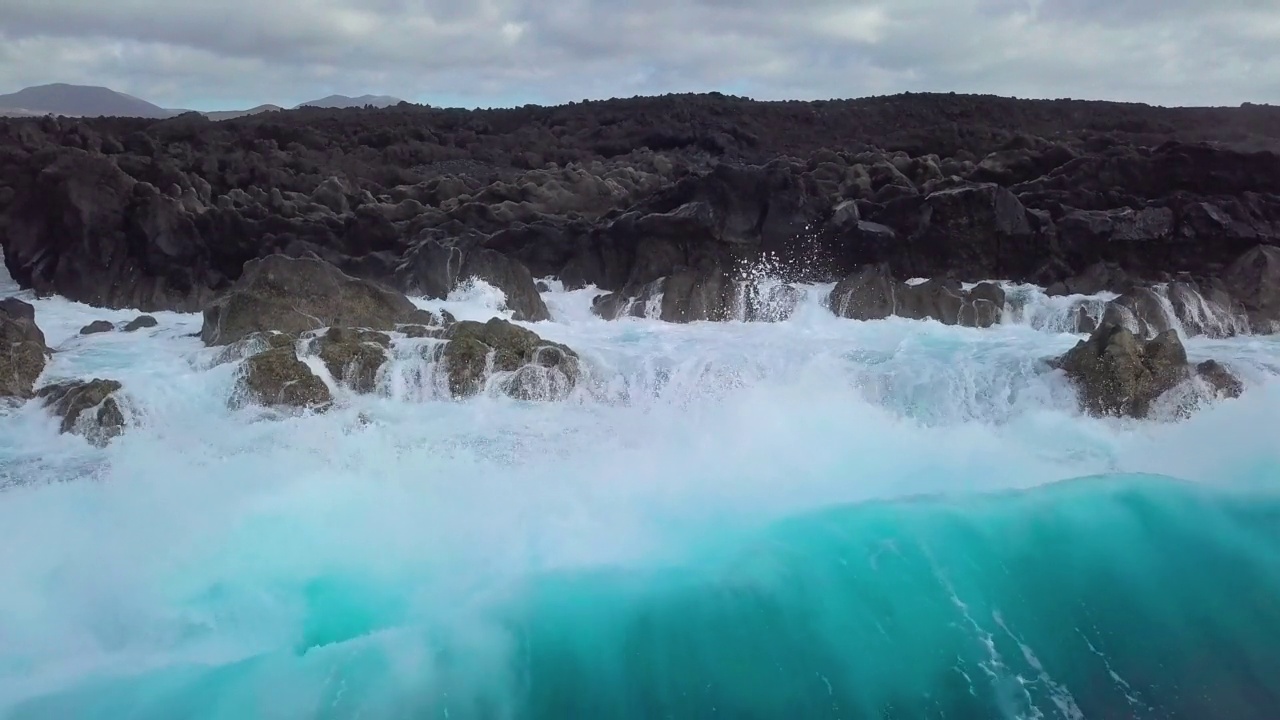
pixel 490 52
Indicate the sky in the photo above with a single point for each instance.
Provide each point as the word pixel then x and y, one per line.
pixel 231 54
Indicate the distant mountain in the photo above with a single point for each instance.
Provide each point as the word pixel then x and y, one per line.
pixel 342 101
pixel 93 101
pixel 232 114
pixel 19 112
pixel 80 101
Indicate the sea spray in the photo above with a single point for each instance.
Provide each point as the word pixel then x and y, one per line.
pixel 807 518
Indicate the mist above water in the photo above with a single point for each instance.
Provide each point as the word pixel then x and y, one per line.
pixel 207 539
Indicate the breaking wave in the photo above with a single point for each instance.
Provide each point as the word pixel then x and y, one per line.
pixel 809 518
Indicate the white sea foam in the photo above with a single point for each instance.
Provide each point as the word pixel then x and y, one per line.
pixel 678 429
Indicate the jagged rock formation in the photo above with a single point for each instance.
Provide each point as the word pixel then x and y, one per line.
pixel 282 294
pixel 1118 374
pixel 89 408
pixel 353 357
pixel 278 378
pixel 873 294
pixel 167 214
pixel 282 307
pixel 540 370
pixel 23 353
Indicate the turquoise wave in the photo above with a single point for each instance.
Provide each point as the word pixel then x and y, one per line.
pixel 1111 597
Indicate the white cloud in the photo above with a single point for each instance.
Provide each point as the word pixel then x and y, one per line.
pixel 197 54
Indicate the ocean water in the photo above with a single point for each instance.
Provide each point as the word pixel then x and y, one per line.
pixel 814 518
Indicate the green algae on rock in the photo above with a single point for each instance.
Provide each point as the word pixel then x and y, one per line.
pixel 542 370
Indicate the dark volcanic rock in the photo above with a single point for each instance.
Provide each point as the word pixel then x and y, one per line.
pixel 166 215
pixel 429 269
pixel 23 352
pixel 82 228
pixel 1097 278
pixel 771 304
pixel 512 278
pixel 87 407
pixel 690 296
pixel 1198 309
pixel 873 294
pixel 141 322
pixel 1141 311
pixel 1117 236
pixel 295 295
pixel 866 295
pixel 353 357
pixel 982 232
pixel 278 378
pixel 950 304
pixel 1255 280
pixel 96 327
pixel 1220 379
pixel 1118 374
pixel 540 370
pixel 1206 308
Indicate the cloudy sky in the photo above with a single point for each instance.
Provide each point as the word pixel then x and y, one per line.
pixel 222 54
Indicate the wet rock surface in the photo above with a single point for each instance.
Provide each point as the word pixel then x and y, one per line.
pixel 353 357
pixel 23 353
pixel 1119 374
pixel 873 294
pixel 277 378
pixel 288 295
pixel 97 327
pixel 141 322
pixel 541 370
pixel 1078 196
pixel 89 408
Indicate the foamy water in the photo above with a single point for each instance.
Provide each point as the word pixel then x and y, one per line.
pixel 200 537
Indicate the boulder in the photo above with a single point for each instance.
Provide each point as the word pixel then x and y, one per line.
pixel 1117 374
pixel 949 303
pixel 140 322
pixel 539 369
pixel 87 407
pixel 429 269
pixel 1085 323
pixel 1195 308
pixel 96 327
pixel 277 378
pixel 1097 278
pixel 1206 309
pixel 773 303
pixel 977 231
pixel 1254 279
pixel 252 345
pixel 23 353
pixel 984 305
pixel 647 302
pixel 873 294
pixel 294 295
pixel 512 278
pixel 1141 310
pixel 353 357
pixel 1220 380
pixel 691 296
pixel 868 294
pixel 1122 236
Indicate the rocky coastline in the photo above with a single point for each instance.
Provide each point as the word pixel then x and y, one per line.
pixel 304 231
